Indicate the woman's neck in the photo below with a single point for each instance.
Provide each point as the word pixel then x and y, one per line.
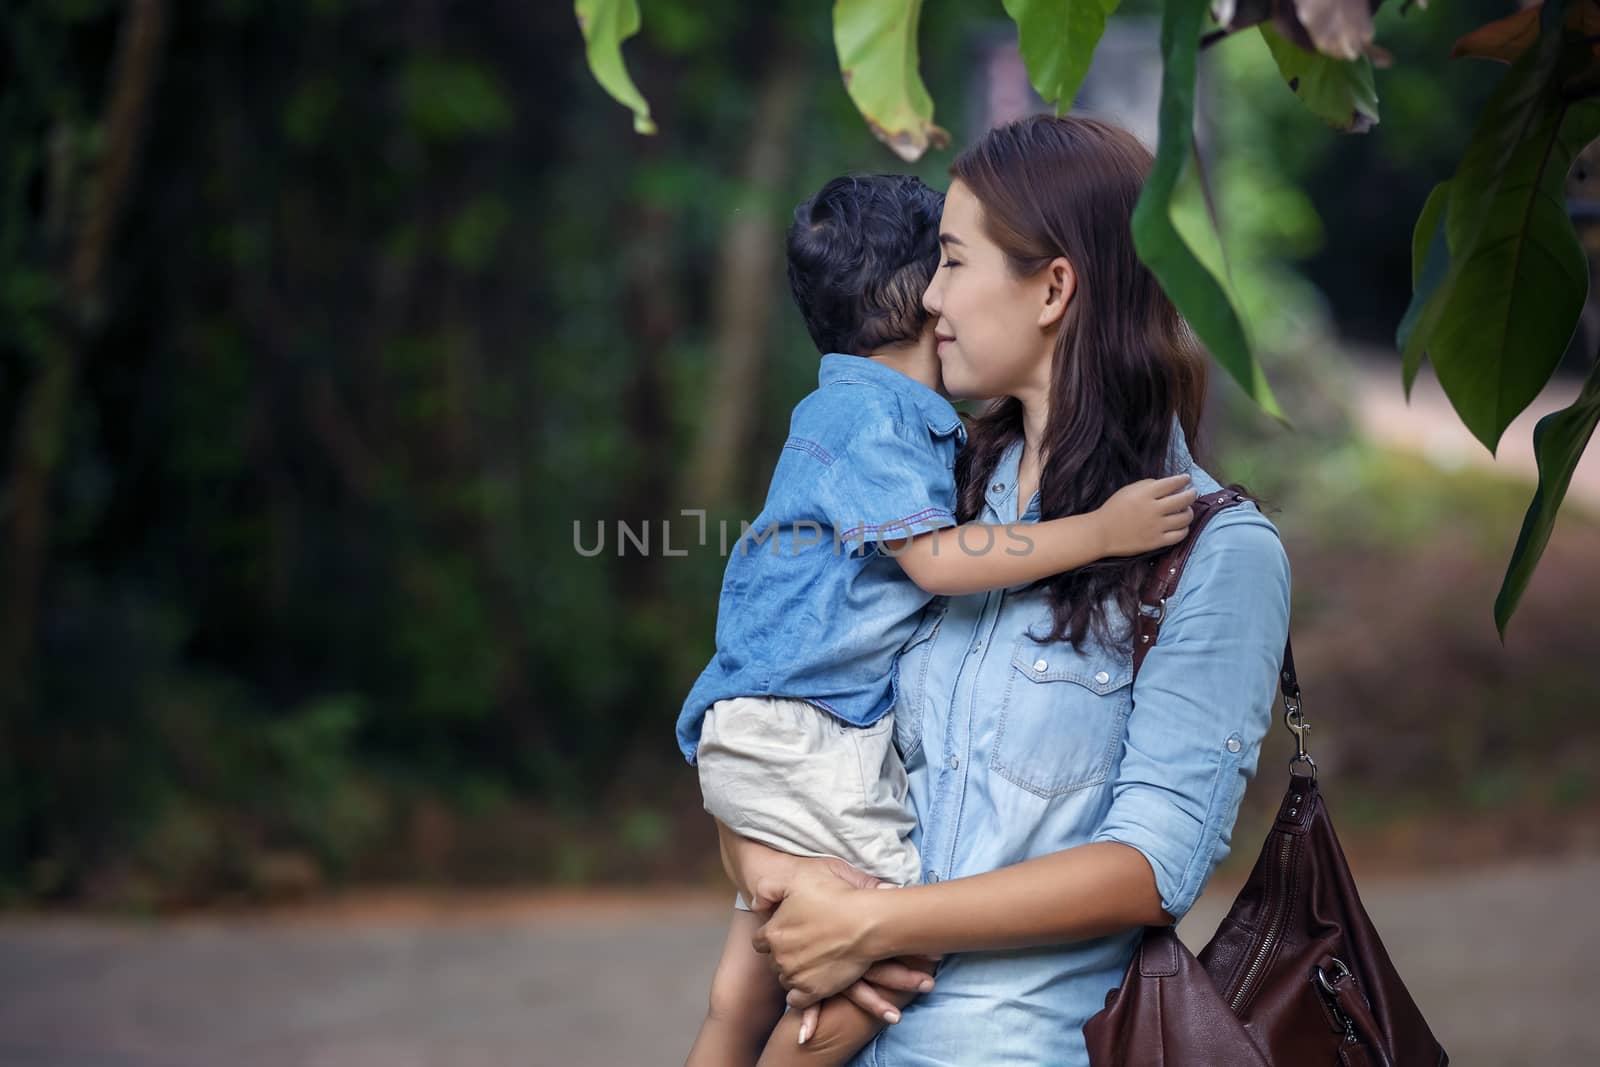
pixel 1033 427
pixel 1030 468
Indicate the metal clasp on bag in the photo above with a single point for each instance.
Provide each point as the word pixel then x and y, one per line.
pixel 1340 969
pixel 1294 719
pixel 1340 1015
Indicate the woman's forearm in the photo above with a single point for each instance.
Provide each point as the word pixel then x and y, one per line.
pixel 1078 893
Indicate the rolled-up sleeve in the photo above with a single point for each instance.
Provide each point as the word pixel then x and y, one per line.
pixel 890 483
pixel 1202 705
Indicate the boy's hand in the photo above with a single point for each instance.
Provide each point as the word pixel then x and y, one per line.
pixel 1147 515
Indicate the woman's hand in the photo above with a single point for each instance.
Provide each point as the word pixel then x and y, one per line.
pixel 749 863
pixel 766 875
pixel 816 936
pixel 870 993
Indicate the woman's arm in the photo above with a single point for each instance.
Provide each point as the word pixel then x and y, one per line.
pixel 977 557
pixel 1202 703
pixel 827 933
pixel 1071 895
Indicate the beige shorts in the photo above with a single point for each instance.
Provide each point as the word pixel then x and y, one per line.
pixel 790 775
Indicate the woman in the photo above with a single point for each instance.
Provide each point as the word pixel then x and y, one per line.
pixel 1061 806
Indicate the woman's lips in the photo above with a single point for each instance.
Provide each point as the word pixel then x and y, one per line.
pixel 941 340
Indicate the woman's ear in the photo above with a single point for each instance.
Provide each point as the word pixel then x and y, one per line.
pixel 1061 282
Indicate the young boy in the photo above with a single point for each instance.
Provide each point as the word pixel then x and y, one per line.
pixel 790 723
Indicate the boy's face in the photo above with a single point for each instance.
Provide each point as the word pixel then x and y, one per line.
pixel 986 321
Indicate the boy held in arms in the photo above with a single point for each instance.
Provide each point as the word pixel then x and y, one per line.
pixel 790 723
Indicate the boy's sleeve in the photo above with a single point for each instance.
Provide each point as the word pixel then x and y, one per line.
pixel 890 482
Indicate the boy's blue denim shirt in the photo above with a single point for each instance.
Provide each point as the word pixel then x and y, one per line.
pixel 811 607
pixel 1015 749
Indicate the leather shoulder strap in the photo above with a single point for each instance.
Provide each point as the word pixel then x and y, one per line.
pixel 1166 569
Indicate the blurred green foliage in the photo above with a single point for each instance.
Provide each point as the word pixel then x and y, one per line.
pixel 396 299
pixel 393 304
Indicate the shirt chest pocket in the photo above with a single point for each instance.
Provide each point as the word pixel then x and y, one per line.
pixel 1061 719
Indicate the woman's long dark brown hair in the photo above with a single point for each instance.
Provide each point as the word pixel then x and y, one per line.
pixel 1125 361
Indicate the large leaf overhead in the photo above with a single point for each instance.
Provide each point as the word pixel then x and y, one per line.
pixel 1558 442
pixel 1497 323
pixel 1199 296
pixel 877 45
pixel 1057 39
pixel 1430 263
pixel 1338 91
pixel 1518 293
pixel 1507 38
pixel 606 24
pixel 1323 49
pixel 1340 29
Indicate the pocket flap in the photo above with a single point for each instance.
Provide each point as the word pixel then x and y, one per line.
pixel 1059 663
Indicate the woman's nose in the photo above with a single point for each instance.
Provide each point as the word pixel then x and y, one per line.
pixel 930 297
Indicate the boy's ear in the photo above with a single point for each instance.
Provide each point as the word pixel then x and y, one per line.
pixel 1061 283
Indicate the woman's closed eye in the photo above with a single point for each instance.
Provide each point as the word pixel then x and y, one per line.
pixel 951 263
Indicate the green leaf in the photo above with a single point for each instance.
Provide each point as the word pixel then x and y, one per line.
pixel 1521 286
pixel 1516 299
pixel 1199 296
pixel 1506 38
pixel 1338 91
pixel 877 45
pixel 1559 440
pixel 1057 39
pixel 1430 262
pixel 606 24
pixel 1497 323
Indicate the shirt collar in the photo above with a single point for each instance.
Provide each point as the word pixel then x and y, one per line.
pixel 935 410
pixel 1178 458
pixel 1002 485
pixel 1002 488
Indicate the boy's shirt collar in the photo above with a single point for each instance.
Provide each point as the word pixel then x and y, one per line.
pixel 936 411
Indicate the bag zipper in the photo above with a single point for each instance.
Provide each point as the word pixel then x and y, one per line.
pixel 1274 927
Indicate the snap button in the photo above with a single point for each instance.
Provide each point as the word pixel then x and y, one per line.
pixel 933 876
pixel 1234 746
pixel 998 487
pixel 1102 677
pixel 1039 665
pixel 953 763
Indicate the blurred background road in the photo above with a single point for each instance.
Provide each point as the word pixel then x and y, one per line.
pixel 1501 962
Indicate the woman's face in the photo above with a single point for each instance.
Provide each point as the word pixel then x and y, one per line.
pixel 995 332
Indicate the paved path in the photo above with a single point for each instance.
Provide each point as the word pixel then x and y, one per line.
pixel 1502 961
pixel 1429 425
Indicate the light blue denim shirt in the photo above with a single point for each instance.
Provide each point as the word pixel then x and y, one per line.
pixel 811 608
pixel 1016 750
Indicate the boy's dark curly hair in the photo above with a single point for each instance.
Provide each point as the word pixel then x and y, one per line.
pixel 861 253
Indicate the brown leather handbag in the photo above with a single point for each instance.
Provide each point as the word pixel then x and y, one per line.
pixel 1296 975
